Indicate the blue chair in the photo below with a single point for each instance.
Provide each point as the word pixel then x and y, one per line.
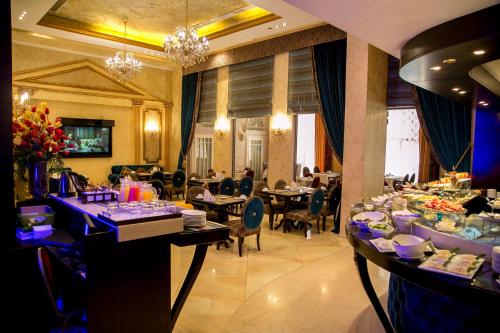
pixel 246 186
pixel 412 178
pixel 251 219
pixel 226 186
pixel 159 187
pixel 178 185
pixel 331 207
pixel 312 212
pixel 159 175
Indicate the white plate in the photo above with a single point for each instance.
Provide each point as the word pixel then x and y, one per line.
pixel 377 243
pixel 193 212
pixel 372 216
pixel 469 275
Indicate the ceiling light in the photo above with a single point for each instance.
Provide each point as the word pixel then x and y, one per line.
pixel 485 104
pixel 449 61
pixel 123 66
pixel 436 68
pixel 481 102
pixel 284 24
pixel 461 92
pixel 479 52
pixel 184 47
pixel 455 89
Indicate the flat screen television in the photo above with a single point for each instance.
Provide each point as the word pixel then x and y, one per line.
pixel 89 137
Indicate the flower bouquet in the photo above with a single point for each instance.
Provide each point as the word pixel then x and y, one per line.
pixel 37 145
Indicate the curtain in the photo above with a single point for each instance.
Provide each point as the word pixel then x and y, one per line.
pixel 320 142
pixel 329 61
pixel 447 127
pixel 189 112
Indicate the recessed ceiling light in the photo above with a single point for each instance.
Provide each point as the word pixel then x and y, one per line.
pixel 284 24
pixel 449 61
pixel 479 52
pixel 21 17
pixel 461 92
pixel 481 102
pixel 276 26
pixel 485 104
pixel 455 89
pixel 436 68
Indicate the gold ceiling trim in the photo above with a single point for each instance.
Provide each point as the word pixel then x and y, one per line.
pixel 240 21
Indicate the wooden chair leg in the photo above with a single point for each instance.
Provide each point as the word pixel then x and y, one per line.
pixel 258 241
pixel 317 224
pixel 240 245
pixel 271 218
pixel 324 222
pixel 305 229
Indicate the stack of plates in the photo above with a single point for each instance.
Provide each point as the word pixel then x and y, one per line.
pixel 495 259
pixel 194 218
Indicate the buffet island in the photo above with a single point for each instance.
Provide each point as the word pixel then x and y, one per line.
pixel 444 261
pixel 125 259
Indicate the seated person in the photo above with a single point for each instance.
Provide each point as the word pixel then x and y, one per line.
pixel 211 173
pixel 316 169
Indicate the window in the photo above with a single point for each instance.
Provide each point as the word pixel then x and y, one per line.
pixel 251 88
pixel 306 146
pixel 402 151
pixel 302 96
pixel 208 97
pixel 201 152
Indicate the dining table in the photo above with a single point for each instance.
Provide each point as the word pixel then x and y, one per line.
pixel 147 175
pixel 288 195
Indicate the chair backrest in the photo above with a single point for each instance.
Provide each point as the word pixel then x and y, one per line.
pixel 193 191
pixel 252 213
pixel 158 175
pixel 246 185
pixel 48 279
pixel 257 191
pixel 306 172
pixel 140 169
pixel 179 178
pixel 159 187
pixel 226 186
pixel 334 195
pixel 316 169
pixel 315 182
pixel 250 173
pixel 280 184
pixel 316 202
pixel 406 178
pixel 195 175
pixel 412 178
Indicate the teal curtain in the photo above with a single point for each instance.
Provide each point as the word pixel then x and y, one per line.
pixel 189 112
pixel 447 126
pixel 329 70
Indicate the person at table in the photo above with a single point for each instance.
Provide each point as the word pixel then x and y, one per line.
pixel 316 169
pixel 211 173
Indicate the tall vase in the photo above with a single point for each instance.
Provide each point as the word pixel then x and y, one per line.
pixel 38 179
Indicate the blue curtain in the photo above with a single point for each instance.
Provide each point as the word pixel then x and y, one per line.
pixel 189 112
pixel 447 126
pixel 329 71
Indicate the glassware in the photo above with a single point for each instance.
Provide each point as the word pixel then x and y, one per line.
pixel 113 208
pixel 134 192
pixel 356 209
pixel 147 192
pixel 124 190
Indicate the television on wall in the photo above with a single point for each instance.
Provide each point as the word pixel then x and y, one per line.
pixel 88 137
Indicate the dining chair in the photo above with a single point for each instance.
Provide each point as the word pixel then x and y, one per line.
pixel 316 169
pixel 412 178
pixel 278 206
pixel 54 291
pixel 158 175
pixel 306 172
pixel 312 212
pixel 259 186
pixel 194 175
pixel 249 224
pixel 406 178
pixel 315 182
pixel 246 185
pixel 178 185
pixel 332 204
pixel 159 186
pixel 226 186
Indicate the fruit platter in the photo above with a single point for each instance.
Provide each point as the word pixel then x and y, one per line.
pixel 443 206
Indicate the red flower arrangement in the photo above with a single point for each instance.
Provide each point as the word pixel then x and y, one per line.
pixel 37 139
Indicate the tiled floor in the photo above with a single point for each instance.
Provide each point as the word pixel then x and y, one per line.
pixel 292 285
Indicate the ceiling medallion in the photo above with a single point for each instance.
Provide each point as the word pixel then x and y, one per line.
pixel 123 66
pixel 184 47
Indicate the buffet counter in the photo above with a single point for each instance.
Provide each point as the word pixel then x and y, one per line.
pixel 433 295
pixel 127 261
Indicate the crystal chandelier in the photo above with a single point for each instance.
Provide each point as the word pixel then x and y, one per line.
pixel 184 47
pixel 123 66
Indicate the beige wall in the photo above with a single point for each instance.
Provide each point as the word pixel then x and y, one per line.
pixel 223 145
pixel 173 145
pixel 365 123
pixel 281 149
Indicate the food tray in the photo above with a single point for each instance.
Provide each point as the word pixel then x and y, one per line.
pixel 460 265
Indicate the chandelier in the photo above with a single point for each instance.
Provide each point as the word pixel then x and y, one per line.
pixel 184 47
pixel 123 66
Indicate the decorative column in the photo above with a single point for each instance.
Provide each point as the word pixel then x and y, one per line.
pixel 223 137
pixel 136 129
pixel 365 123
pixel 281 147
pixel 167 107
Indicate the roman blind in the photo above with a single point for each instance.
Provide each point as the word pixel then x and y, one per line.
pixel 302 96
pixel 251 88
pixel 208 97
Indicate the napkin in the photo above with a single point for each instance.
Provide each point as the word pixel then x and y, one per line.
pixel 243 196
pixel 193 178
pixel 323 188
pixel 265 189
pixel 207 196
pixel 199 196
pixel 287 187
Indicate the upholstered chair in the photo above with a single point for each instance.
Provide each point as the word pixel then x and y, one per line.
pixel 194 175
pixel 159 187
pixel 313 211
pixel 306 172
pixel 412 178
pixel 332 204
pixel 226 186
pixel 246 186
pixel 315 182
pixel 259 186
pixel 178 185
pixel 251 219
pixel 192 192
pixel 158 175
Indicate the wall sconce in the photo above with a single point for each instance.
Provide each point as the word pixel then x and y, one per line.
pixel 221 126
pixel 152 135
pixel 23 99
pixel 279 124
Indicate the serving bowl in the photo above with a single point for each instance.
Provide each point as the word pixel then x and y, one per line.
pixel 410 246
pixel 380 229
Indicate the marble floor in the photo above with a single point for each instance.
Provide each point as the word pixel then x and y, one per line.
pixel 293 284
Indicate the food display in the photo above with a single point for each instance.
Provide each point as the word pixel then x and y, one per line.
pixel 451 263
pixel 443 205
